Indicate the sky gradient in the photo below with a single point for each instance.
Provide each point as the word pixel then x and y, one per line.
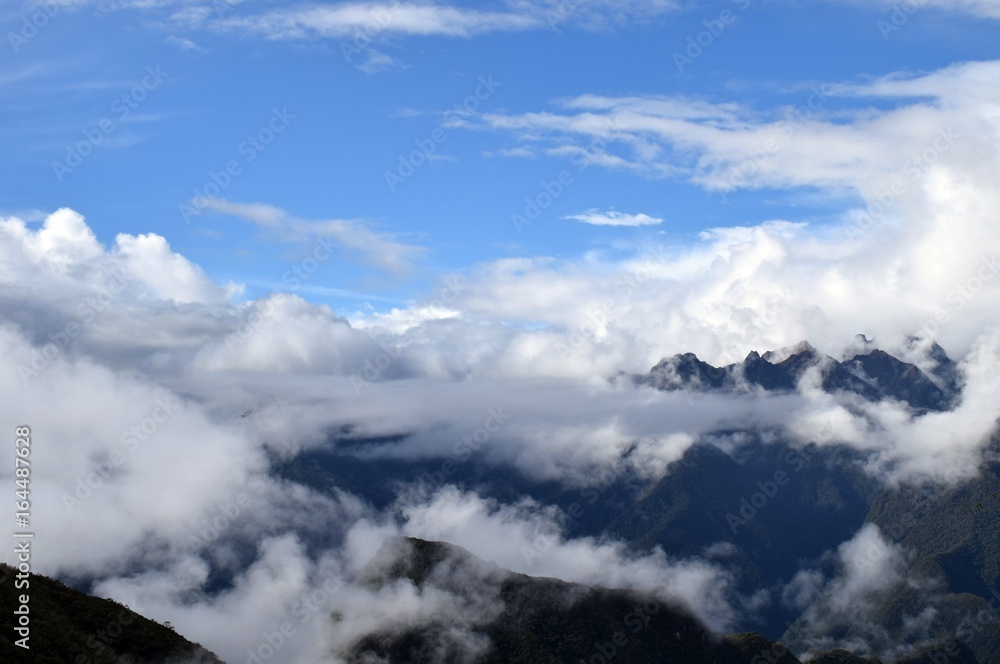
pixel 364 92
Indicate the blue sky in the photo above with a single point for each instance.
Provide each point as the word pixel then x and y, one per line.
pixel 226 68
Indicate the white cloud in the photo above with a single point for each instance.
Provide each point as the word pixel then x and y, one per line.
pixel 437 19
pixel 522 152
pixel 376 61
pixel 339 21
pixel 398 321
pixel 526 538
pixel 728 146
pixel 123 459
pixel 614 218
pixel 868 566
pixel 65 257
pixel 380 19
pixel 184 44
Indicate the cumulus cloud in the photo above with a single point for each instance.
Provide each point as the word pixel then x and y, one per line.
pixel 891 267
pixel 63 255
pixel 283 333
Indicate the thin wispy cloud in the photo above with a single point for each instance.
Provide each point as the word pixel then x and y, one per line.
pixel 342 20
pixel 352 235
pixel 429 19
pixel 184 44
pixel 595 217
pixel 728 146
pixel 980 8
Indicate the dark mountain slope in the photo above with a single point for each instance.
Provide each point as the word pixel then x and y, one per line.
pixel 899 380
pixel 840 657
pixel 70 626
pixel 539 620
pixel 777 505
pixel 953 568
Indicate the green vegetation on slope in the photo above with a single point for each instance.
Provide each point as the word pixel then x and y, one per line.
pixel 71 627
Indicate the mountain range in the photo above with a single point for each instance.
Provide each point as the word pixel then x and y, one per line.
pixel 872 374
pixel 775 503
pixel 774 511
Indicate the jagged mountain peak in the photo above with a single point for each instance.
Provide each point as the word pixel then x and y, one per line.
pixel 873 374
pixel 780 355
pixel 425 561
